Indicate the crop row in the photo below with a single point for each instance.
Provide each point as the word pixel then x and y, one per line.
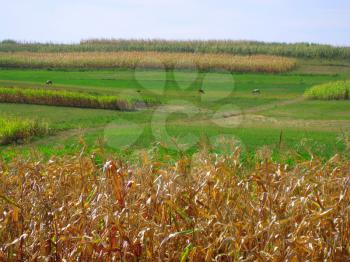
pixel 17 129
pixel 154 60
pixel 63 98
pixel 331 91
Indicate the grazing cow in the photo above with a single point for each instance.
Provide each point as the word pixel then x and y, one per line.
pixel 256 91
pixel 49 82
pixel 201 91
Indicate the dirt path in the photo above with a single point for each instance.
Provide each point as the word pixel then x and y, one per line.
pixel 250 118
pixel 255 121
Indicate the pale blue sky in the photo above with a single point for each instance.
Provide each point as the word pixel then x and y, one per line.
pixel 322 21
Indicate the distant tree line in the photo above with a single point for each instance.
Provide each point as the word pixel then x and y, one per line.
pixel 300 50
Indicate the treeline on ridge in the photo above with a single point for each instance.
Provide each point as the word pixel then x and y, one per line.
pixel 300 50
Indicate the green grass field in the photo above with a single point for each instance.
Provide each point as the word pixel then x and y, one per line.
pixel 279 117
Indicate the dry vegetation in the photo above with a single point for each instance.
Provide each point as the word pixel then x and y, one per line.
pixel 200 210
pixel 153 60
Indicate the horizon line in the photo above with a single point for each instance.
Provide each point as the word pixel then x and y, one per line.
pixel 17 41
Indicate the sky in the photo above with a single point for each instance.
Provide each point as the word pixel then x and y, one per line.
pixel 69 21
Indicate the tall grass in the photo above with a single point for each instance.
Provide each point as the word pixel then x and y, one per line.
pixel 17 129
pixel 210 208
pixel 156 60
pixel 330 91
pixel 63 98
pixel 305 50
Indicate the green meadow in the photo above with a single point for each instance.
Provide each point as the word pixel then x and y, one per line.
pixel 279 118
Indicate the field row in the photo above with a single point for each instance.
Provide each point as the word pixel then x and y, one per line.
pixel 302 50
pixel 19 129
pixel 149 60
pixel 64 98
pixel 330 91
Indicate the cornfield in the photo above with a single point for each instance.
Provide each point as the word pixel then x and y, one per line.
pixel 209 208
pixel 16 129
pixel 63 98
pixel 153 60
pixel 330 91
pixel 302 50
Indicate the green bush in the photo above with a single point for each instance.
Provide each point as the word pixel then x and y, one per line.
pixel 330 91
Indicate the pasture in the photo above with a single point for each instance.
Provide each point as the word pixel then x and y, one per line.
pixel 279 117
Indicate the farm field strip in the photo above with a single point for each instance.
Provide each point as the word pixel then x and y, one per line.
pixel 63 98
pixel 339 90
pixel 149 60
pixel 19 129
